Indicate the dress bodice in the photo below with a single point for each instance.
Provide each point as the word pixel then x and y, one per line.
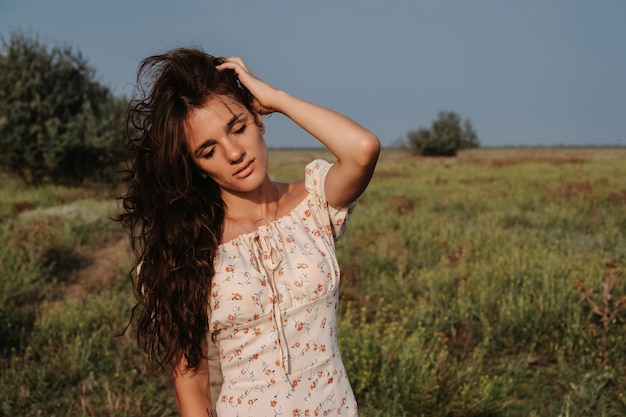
pixel 273 308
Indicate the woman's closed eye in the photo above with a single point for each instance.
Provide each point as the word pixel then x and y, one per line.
pixel 209 153
pixel 238 130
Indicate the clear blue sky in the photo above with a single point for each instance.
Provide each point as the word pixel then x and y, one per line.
pixel 526 72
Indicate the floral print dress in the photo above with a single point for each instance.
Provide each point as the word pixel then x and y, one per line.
pixel 273 313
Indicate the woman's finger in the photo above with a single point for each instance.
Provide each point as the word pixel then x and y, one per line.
pixel 235 63
pixel 238 61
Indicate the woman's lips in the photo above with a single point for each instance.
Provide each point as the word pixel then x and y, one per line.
pixel 245 170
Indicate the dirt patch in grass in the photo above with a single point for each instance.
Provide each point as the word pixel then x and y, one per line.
pixel 568 191
pixel 401 204
pixel 99 269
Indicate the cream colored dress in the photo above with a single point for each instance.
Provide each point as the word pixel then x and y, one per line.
pixel 274 310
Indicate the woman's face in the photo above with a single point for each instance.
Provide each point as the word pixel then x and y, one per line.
pixel 226 142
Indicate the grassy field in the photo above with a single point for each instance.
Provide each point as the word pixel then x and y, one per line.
pixel 490 284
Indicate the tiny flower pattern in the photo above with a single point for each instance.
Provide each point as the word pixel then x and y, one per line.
pixel 273 313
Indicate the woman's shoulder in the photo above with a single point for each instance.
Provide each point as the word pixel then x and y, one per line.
pixel 315 176
pixel 290 195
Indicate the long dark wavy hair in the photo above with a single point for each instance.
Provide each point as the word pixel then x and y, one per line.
pixel 172 213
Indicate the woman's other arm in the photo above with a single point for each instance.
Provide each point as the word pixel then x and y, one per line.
pixel 192 388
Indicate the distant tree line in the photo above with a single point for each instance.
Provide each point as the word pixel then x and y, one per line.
pixel 57 123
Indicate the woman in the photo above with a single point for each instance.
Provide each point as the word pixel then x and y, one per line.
pixel 230 257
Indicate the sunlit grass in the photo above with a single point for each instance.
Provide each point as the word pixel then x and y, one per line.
pixel 490 284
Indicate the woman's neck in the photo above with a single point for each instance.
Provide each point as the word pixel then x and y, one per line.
pixel 246 210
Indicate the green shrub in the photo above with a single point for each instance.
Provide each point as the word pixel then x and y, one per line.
pixel 57 123
pixel 446 137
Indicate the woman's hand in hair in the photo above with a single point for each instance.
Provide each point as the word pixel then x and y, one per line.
pixel 264 94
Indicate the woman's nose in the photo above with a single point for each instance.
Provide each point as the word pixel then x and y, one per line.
pixel 234 151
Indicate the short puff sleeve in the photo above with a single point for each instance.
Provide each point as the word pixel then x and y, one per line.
pixel 336 218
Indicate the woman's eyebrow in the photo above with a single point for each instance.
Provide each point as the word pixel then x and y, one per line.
pixel 229 125
pixel 234 120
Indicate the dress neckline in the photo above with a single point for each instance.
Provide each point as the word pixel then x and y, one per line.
pixel 269 223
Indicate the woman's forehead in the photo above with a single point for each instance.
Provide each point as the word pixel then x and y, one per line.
pixel 217 115
pixel 224 106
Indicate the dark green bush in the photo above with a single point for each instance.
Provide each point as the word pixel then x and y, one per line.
pixel 57 123
pixel 446 137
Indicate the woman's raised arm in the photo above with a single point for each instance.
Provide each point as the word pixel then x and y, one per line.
pixel 355 147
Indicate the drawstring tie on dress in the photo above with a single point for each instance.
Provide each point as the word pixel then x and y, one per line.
pixel 271 259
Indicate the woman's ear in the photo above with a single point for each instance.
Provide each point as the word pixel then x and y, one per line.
pixel 259 122
pixel 200 172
